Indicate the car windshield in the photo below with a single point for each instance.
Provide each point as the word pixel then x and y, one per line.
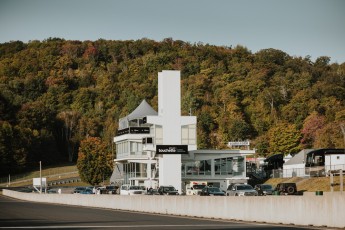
pixel 134 188
pixel 215 189
pixel 199 186
pixel 169 189
pixel 266 186
pixel 244 187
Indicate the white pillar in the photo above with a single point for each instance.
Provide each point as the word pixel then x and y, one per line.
pixel 169 101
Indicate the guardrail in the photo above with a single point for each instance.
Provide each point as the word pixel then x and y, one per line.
pixel 29 179
pixel 306 210
pixel 46 173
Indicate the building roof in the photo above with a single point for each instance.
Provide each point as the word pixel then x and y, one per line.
pixel 299 158
pixel 143 110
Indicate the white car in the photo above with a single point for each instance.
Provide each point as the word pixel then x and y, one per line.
pixel 127 189
pixel 241 190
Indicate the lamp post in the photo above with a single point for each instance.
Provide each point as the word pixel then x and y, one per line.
pixel 40 177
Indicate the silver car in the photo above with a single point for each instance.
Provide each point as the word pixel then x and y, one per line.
pixel 241 190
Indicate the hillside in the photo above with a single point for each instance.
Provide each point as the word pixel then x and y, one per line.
pixel 55 93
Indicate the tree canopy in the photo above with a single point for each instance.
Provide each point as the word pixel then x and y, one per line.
pixel 56 93
pixel 94 161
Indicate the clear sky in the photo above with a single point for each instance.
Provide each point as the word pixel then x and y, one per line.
pixel 297 27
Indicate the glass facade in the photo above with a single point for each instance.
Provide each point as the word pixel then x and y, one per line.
pixel 228 166
pixel 134 170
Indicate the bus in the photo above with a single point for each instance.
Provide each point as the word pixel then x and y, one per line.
pixel 320 161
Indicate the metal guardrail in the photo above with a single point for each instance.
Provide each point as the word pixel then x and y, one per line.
pixel 30 175
pixel 17 181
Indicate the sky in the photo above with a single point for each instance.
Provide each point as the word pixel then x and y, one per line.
pixel 299 28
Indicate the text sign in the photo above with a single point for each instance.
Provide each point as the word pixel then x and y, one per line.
pixel 239 143
pixel 171 149
pixel 37 182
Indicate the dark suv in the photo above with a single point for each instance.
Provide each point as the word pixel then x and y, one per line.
pixel 286 188
pixel 111 189
pixel 167 190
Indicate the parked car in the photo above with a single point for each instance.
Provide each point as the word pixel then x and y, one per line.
pixel 167 190
pixel 211 191
pixel 152 191
pixel 286 188
pixel 241 190
pixel 264 189
pixel 111 189
pixel 52 190
pixel 78 190
pixel 101 190
pixel 87 191
pixel 127 189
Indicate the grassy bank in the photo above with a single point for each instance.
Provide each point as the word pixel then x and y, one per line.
pixel 310 184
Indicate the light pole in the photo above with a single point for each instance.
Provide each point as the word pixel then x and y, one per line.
pixel 40 177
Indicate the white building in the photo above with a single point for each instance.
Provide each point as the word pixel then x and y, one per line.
pixel 295 167
pixel 160 148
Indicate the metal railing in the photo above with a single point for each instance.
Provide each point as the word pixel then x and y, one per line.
pixel 45 173
pixel 304 172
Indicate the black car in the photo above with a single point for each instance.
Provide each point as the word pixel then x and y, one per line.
pixel 211 191
pixel 152 191
pixel 111 189
pixel 264 189
pixel 78 190
pixel 286 189
pixel 167 190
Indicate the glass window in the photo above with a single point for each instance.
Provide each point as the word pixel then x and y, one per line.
pixel 159 135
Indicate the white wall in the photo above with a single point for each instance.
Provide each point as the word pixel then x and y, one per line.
pixel 296 170
pixel 326 210
pixel 334 162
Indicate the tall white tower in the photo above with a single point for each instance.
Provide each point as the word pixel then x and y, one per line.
pixel 169 117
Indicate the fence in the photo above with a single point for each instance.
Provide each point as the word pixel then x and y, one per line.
pixel 304 172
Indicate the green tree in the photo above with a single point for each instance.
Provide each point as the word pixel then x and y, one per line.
pixel 94 161
pixel 284 138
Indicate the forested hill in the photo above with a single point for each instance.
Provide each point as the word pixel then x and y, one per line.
pixel 55 93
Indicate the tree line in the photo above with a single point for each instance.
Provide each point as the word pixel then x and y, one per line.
pixel 56 93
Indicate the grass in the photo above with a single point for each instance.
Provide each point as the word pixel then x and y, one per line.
pixel 52 173
pixel 310 184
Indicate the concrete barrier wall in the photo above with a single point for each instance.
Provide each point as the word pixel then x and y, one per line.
pixel 327 210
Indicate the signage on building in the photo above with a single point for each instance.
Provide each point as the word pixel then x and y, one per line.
pixel 171 149
pixel 239 143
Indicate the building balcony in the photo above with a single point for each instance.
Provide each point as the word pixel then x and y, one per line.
pixel 134 130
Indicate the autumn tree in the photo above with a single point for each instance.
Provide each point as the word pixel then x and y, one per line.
pixel 94 161
pixel 312 124
pixel 330 136
pixel 284 138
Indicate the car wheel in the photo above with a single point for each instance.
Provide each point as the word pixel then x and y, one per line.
pixel 291 190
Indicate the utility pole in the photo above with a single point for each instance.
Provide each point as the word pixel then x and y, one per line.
pixel 40 177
